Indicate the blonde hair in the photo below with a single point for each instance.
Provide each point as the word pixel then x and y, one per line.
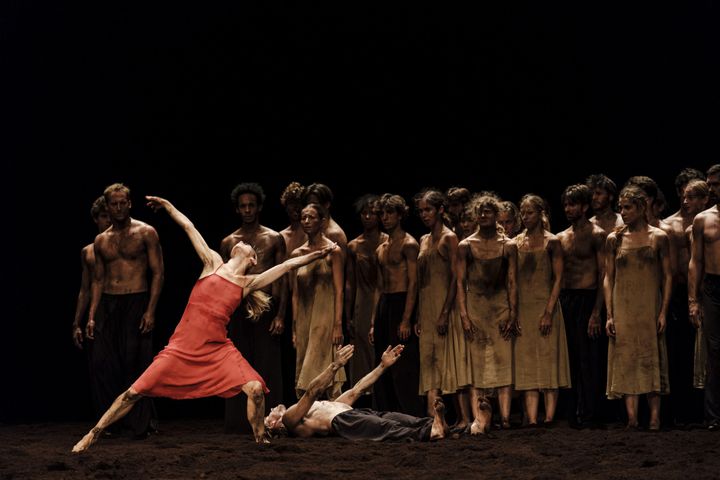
pixel 116 187
pixel 256 303
pixel 537 202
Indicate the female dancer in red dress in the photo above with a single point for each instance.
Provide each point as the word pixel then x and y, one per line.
pixel 199 360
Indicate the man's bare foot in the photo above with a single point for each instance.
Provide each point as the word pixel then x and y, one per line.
pixel 440 428
pixel 86 441
pixel 481 425
pixel 263 439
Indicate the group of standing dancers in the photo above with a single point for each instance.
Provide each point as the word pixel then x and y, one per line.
pixel 489 302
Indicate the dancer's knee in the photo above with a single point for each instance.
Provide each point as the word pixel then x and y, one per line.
pixel 130 396
pixel 254 391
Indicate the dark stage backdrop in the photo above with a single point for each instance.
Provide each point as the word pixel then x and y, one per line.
pixel 186 103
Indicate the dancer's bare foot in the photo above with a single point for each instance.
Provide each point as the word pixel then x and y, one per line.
pixel 481 425
pixel 440 428
pixel 86 441
pixel 262 439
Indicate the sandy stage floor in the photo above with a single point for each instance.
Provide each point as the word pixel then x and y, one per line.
pixel 200 449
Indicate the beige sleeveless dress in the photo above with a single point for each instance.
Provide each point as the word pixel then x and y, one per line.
pixel 540 362
pixel 314 326
pixel 637 358
pixel 363 359
pixel 490 356
pixel 434 276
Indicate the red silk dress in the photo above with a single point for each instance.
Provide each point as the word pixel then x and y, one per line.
pixel 200 360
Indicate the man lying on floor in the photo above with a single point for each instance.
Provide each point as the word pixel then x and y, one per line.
pixel 310 416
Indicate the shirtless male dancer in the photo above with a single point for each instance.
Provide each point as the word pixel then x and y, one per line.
pixel 310 417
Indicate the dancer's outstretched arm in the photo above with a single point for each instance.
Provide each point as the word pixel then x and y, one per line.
pixel 294 415
pixel 209 257
pixel 271 274
pixel 363 385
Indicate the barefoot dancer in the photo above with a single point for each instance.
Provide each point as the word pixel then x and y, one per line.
pixel 200 360
pixel 637 292
pixel 311 417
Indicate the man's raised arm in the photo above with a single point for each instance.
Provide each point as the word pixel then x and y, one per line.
pixel 364 384
pixel 294 415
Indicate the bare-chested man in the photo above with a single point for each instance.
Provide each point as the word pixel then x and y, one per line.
pixel 680 333
pixel 122 307
pixel 294 236
pixel 696 197
pixel 604 195
pixel 310 417
pixel 292 201
pixel 101 217
pixel 581 299
pixel 394 313
pixel 259 341
pixel 679 223
pixel 705 269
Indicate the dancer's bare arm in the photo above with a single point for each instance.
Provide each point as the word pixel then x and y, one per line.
pixel 271 274
pixel 363 385
pixel 295 414
pixel 696 269
pixel 609 284
pixel 208 256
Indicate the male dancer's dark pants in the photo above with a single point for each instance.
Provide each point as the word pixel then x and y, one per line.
pixel 711 332
pixel 119 354
pixel 588 358
pixel 685 401
pixel 367 424
pixel 397 390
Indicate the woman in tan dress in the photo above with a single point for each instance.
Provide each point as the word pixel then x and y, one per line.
pixel 436 294
pixel 541 355
pixel 457 199
pixel 509 218
pixel 487 300
pixel 637 287
pixel 361 281
pixel 457 379
pixel 317 301
pixel 468 223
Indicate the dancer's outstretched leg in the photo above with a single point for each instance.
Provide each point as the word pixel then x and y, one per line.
pixel 256 409
pixel 440 427
pixel 120 407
